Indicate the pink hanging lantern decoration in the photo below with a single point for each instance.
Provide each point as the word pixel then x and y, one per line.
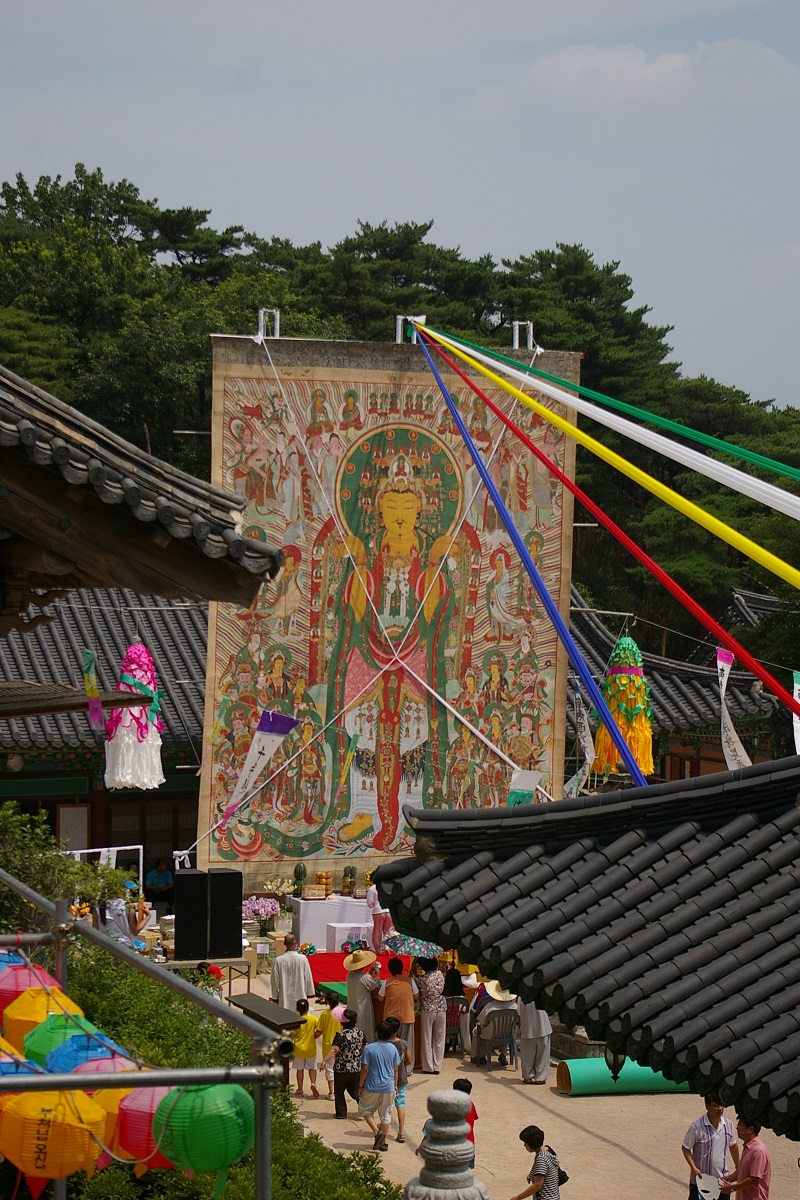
pixel 133 749
pixel 135 1128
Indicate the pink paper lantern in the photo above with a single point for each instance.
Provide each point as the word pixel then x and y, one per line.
pixel 17 978
pixel 92 1066
pixel 135 1127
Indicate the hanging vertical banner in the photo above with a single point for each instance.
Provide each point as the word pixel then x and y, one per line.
pixel 270 732
pixel 92 693
pixel 795 718
pixel 585 738
pixel 522 789
pixel 735 753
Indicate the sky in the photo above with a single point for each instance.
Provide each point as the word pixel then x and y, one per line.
pixel 662 134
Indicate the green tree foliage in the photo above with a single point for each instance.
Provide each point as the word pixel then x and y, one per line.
pixel 107 300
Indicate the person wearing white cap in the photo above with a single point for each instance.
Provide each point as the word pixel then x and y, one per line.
pixel 499 1001
pixel 363 978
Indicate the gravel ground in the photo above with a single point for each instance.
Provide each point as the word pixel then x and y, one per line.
pixel 613 1147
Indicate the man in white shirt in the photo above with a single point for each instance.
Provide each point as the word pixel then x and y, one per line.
pixel 707 1143
pixel 290 979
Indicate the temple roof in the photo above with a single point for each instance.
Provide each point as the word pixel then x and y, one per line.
pixel 81 507
pixel 106 622
pixel 665 919
pixel 175 632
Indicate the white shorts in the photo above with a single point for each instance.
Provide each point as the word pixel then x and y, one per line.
pixel 304 1064
pixel 381 1103
pixel 329 1071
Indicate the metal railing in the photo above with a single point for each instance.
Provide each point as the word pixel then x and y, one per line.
pixel 268 1050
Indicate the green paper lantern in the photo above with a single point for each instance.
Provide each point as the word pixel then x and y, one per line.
pixel 52 1033
pixel 205 1128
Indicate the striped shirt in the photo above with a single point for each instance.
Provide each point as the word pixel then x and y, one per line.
pixel 709 1147
pixel 546 1163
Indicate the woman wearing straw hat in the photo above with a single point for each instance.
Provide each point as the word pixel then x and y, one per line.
pixel 363 978
pixel 499 1001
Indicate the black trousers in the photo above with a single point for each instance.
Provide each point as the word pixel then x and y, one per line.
pixel 344 1083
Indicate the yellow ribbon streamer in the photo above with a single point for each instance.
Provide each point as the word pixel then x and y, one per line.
pixel 699 515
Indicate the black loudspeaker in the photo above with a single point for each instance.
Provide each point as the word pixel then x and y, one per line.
pixel 191 916
pixel 224 913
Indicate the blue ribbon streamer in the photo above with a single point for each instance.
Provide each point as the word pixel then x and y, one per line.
pixel 563 632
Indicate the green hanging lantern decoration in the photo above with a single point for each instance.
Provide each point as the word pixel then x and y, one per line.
pixel 205 1128
pixel 52 1033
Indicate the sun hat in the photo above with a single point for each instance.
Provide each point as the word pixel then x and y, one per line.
pixel 498 993
pixel 359 959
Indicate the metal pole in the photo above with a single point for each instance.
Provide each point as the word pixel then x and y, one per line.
pixel 266 1074
pixel 61 929
pixel 263 1179
pixel 13 940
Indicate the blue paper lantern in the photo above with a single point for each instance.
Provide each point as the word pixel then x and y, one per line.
pixel 78 1049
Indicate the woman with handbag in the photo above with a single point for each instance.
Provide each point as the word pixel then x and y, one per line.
pixel 546 1174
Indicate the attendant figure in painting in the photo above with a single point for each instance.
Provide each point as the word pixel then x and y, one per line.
pixel 495 689
pixel 277 684
pixel 461 770
pixel 469 699
pixel 351 412
pixel 319 418
pixel 504 623
pixel 307 775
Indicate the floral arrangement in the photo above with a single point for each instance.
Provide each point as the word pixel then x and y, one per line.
pixel 262 909
pixel 278 887
pixel 308 948
pixel 354 944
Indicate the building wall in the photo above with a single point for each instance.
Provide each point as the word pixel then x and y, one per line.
pixel 348 458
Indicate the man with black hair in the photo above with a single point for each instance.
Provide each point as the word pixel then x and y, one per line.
pixel 377 1084
pixel 707 1144
pixel 753 1175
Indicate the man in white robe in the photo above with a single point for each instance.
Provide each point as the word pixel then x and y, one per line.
pixel 534 1043
pixel 290 979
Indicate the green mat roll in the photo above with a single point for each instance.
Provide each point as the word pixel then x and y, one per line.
pixel 591 1077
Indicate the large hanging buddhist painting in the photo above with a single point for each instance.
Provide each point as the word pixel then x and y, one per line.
pixel 403 635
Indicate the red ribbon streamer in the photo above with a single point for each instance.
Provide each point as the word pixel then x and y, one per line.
pixel 643 557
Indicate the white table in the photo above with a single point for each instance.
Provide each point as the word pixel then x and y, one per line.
pixel 312 917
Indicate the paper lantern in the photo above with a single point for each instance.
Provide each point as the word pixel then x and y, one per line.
pixel 109 1099
pixel 117 1062
pixel 49 1135
pixel 7 1048
pixel 52 1033
pixel 7 959
pixel 133 748
pixel 78 1049
pixel 32 1007
pixel 135 1128
pixel 627 694
pixel 16 979
pixel 205 1128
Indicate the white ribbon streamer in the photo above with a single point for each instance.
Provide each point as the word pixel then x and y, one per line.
pixel 795 718
pixel 735 754
pixel 757 489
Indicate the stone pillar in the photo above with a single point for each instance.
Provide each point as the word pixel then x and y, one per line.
pixel 448 1156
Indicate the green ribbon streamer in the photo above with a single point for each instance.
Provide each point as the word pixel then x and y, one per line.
pixel 641 414
pixel 155 697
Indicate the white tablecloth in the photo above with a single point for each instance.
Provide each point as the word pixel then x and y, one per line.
pixel 312 917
